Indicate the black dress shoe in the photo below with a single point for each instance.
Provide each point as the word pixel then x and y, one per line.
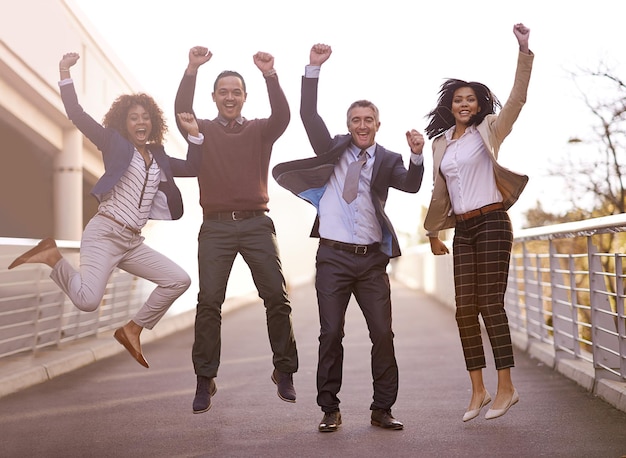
pixel 204 390
pixel 284 384
pixel 384 419
pixel 330 422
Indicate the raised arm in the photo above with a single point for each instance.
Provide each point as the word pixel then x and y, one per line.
pixel 198 55
pixel 190 166
pixel 91 128
pixel 280 115
pixel 517 98
pixel 316 129
pixel 522 34
pixel 415 140
pixel 264 62
pixel 319 54
pixel 67 61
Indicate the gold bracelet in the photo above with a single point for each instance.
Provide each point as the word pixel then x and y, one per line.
pixel 64 69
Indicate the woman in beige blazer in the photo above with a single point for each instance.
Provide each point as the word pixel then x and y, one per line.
pixel 471 193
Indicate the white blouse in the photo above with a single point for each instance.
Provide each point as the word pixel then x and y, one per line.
pixel 468 171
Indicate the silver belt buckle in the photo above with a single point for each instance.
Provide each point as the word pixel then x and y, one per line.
pixel 360 249
pixel 234 215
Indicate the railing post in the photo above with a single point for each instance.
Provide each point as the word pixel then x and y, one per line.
pixel 605 347
pixel 621 315
pixel 534 308
pixel 563 340
pixel 574 306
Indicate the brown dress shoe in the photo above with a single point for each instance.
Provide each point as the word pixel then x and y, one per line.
pixel 41 246
pixel 330 422
pixel 384 419
pixel 121 337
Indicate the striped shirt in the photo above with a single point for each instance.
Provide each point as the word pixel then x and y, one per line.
pixel 130 200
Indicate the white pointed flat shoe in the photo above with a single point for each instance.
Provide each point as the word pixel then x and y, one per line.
pixel 495 413
pixel 471 414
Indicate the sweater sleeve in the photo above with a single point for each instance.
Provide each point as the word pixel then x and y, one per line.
pixel 184 99
pixel 280 116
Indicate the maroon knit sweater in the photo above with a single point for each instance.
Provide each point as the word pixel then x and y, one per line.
pixel 235 161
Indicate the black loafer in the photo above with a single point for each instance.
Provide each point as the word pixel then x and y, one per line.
pixel 384 419
pixel 204 390
pixel 284 385
pixel 330 422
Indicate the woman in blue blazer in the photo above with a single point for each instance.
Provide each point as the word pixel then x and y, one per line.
pixel 137 185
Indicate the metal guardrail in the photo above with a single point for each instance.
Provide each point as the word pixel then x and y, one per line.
pixel 35 313
pixel 563 291
pixel 566 289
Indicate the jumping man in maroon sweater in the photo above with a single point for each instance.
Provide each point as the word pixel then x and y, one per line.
pixel 232 172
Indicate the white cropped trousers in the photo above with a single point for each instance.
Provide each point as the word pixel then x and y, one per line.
pixel 106 245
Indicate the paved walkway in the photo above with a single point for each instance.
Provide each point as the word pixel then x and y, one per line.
pixel 114 407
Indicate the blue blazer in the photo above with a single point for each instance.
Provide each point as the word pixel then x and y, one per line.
pixel 307 178
pixel 117 153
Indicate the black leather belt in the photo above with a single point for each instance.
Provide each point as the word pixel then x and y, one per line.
pixel 350 247
pixel 236 215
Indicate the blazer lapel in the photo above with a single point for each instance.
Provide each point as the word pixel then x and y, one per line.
pixel 379 157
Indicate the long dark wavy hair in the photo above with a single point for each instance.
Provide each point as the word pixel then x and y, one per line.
pixel 116 116
pixel 441 118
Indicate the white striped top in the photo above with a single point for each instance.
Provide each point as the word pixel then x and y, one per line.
pixel 130 200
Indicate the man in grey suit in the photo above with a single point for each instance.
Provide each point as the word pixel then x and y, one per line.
pixel 357 238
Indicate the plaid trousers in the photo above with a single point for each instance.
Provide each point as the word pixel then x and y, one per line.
pixel 482 252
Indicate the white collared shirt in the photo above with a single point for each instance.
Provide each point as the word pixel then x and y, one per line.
pixel 468 171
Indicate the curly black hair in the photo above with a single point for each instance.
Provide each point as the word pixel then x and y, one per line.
pixel 116 116
pixel 441 118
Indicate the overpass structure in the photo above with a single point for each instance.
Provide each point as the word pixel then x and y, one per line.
pixel 565 298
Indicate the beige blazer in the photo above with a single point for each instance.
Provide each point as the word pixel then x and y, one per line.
pixel 493 130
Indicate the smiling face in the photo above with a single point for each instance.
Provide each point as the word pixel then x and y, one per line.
pixel 363 125
pixel 464 105
pixel 229 97
pixel 138 125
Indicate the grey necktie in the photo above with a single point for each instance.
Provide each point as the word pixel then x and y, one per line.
pixel 351 185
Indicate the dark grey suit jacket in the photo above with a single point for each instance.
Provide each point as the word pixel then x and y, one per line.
pixel 307 178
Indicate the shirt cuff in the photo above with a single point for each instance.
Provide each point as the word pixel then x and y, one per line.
pixel 417 159
pixel 199 140
pixel 312 71
pixel 65 82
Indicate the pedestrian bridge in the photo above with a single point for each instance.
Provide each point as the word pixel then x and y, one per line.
pixel 565 300
pixel 565 303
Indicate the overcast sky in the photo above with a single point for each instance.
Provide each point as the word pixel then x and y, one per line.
pixel 394 52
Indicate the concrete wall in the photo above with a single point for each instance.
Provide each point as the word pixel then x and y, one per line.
pixel 34 130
